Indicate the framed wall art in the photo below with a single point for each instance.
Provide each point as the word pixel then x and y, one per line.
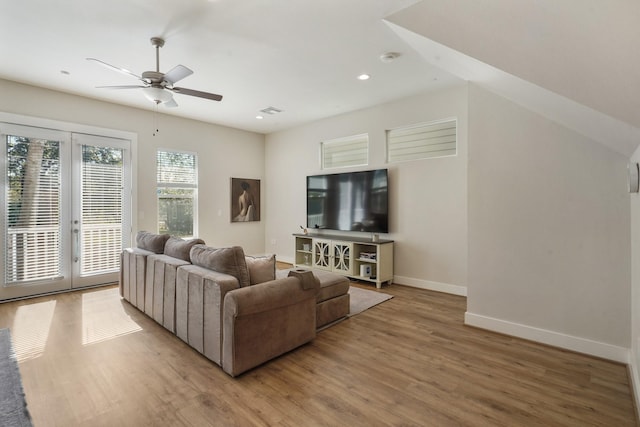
pixel 245 200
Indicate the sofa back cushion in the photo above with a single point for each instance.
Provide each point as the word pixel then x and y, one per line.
pixel 261 268
pixel 229 261
pixel 151 242
pixel 180 248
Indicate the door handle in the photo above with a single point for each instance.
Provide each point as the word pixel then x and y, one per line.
pixel 76 249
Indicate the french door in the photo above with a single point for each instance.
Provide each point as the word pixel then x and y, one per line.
pixel 66 210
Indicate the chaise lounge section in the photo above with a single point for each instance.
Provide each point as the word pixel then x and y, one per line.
pixel 332 301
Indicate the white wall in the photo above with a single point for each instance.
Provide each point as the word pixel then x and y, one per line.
pixel 428 206
pixel 222 153
pixel 549 246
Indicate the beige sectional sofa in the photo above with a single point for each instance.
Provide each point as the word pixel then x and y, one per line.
pixel 228 306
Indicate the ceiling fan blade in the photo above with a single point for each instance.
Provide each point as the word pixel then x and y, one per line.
pixel 199 94
pixel 122 87
pixel 170 104
pixel 114 68
pixel 176 74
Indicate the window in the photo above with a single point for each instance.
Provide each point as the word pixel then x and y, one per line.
pixel 422 141
pixel 343 152
pixel 177 193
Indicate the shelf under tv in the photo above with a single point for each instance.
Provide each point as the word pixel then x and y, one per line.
pixel 341 254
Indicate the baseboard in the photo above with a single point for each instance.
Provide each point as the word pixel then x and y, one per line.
pixel 410 281
pixel 635 383
pixel 431 285
pixel 287 259
pixel 555 339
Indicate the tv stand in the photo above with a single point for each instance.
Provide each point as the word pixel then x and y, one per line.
pixel 355 257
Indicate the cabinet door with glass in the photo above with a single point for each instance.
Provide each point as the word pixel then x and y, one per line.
pixel 322 254
pixel 341 262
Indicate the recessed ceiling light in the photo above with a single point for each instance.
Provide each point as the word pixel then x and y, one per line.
pixel 364 77
pixel 259 117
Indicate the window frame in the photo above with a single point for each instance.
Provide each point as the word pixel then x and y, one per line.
pixel 431 126
pixel 178 185
pixel 344 142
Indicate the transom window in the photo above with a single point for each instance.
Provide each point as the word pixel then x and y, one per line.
pixel 344 152
pixel 422 141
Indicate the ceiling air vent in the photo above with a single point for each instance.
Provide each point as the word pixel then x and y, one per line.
pixel 271 110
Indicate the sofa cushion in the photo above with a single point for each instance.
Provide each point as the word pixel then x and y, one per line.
pixel 180 248
pixel 151 241
pixel 230 261
pixel 261 268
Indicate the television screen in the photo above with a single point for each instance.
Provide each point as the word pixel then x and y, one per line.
pixel 353 201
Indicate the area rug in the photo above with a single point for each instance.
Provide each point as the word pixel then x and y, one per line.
pixel 13 406
pixel 364 299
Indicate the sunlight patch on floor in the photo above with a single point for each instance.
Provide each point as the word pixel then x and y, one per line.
pixel 30 330
pixel 104 318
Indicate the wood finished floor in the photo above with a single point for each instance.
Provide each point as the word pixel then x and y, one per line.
pixel 89 358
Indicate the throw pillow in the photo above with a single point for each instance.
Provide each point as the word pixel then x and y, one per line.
pixel 151 242
pixel 223 260
pixel 261 268
pixel 180 248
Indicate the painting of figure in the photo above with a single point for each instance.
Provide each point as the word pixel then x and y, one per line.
pixel 245 200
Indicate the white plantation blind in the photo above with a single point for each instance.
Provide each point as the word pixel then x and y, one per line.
pixel 101 209
pixel 176 169
pixel 343 152
pixel 422 141
pixel 32 212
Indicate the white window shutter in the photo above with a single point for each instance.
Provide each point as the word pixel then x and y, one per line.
pixel 344 152
pixel 423 141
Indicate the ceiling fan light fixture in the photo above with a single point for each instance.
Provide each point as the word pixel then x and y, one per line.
pixel 157 94
pixel 159 87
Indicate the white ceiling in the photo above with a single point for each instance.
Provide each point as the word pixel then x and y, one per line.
pixel 296 55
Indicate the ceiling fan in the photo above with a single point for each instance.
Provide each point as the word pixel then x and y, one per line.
pixel 157 86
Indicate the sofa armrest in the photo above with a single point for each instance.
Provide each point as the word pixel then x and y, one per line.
pixel 266 320
pixel 267 296
pixel 133 266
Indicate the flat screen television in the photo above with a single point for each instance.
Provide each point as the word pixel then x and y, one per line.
pixel 352 201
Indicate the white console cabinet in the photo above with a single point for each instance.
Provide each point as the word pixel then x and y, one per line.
pixel 359 258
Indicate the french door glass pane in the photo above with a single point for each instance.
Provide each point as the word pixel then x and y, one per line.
pixel 102 199
pixel 32 212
